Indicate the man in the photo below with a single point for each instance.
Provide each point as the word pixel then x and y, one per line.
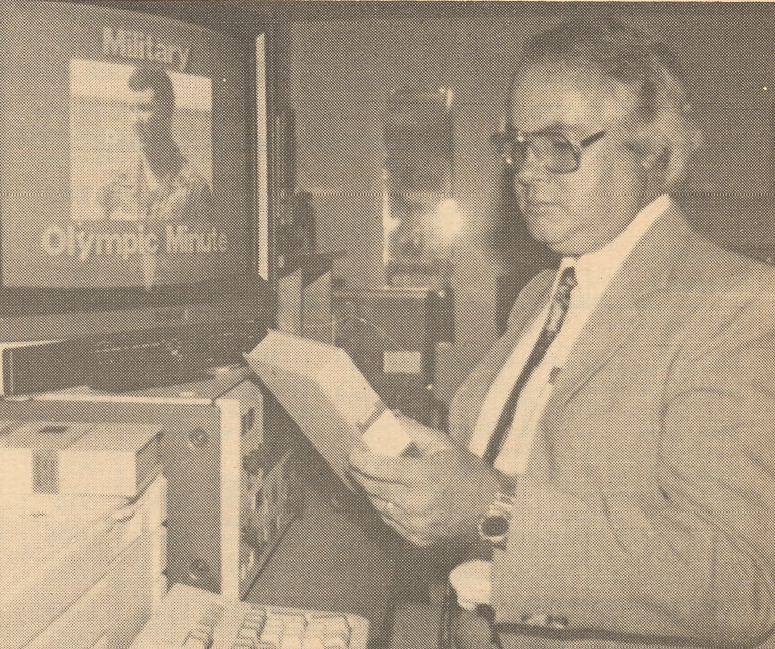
pixel 159 182
pixel 627 484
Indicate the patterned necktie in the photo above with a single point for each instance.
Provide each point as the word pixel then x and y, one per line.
pixel 558 308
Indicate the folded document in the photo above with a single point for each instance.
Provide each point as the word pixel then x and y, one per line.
pixel 328 397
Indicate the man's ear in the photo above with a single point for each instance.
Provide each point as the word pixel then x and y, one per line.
pixel 655 156
pixel 655 159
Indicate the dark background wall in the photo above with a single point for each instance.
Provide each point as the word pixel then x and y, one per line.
pixel 342 62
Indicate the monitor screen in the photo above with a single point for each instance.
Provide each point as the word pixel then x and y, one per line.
pixel 125 156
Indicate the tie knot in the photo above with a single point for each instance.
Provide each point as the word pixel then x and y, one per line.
pixel 568 280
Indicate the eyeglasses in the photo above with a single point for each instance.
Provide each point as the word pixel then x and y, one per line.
pixel 554 151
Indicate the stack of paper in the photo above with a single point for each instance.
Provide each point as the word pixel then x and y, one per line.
pixel 328 397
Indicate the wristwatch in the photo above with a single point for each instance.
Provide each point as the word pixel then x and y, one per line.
pixel 494 525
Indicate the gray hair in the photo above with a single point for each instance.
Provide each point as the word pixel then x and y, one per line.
pixel 662 116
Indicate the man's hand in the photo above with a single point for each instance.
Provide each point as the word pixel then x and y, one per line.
pixel 435 498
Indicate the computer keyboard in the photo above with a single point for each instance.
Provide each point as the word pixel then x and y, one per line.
pixel 190 618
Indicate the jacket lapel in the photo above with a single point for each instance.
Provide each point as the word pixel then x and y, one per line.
pixel 646 271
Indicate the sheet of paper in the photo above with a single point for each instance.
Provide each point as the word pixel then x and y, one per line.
pixel 327 396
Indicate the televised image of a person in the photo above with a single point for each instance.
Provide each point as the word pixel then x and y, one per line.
pixel 159 182
pixel 609 475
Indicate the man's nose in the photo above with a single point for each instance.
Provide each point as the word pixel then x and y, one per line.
pixel 531 168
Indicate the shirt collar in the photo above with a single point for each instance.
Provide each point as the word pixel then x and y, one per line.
pixel 594 270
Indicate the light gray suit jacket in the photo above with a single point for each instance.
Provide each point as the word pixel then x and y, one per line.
pixel 647 510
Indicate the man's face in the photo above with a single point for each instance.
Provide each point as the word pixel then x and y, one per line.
pixel 150 119
pixel 581 211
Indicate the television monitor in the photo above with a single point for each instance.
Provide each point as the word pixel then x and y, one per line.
pixel 132 171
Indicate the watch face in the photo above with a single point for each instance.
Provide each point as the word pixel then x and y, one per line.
pixel 495 526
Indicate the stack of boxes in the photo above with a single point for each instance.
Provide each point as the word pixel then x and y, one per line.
pixel 82 533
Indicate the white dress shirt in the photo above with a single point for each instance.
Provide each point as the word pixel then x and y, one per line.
pixel 594 272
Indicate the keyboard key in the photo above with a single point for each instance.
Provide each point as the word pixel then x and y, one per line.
pixel 272 635
pixel 332 623
pixel 196 643
pixel 291 642
pixel 311 642
pixel 249 633
pixel 293 629
pixel 205 628
pixel 335 642
pixel 255 619
pixel 198 639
